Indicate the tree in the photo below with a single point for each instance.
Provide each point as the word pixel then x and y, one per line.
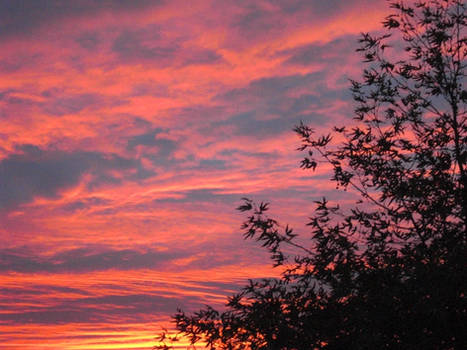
pixel 391 272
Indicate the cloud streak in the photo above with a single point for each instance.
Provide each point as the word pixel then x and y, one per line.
pixel 33 172
pixel 86 260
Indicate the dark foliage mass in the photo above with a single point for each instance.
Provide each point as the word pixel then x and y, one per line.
pixel 389 272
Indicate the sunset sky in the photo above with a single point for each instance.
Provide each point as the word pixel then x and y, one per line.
pixel 130 131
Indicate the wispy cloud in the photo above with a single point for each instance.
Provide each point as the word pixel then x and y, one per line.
pixel 44 173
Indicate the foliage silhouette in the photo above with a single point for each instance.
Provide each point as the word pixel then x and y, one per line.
pixel 390 272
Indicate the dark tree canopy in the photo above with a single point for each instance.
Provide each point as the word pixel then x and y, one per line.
pixel 390 272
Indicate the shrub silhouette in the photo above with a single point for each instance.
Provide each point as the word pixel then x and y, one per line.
pixel 389 273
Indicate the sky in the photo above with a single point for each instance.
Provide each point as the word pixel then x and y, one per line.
pixel 130 131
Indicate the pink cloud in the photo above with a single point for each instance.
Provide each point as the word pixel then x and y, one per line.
pixel 130 131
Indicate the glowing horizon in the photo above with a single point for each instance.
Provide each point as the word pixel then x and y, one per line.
pixel 130 132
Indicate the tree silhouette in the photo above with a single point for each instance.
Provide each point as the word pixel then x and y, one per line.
pixel 390 272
